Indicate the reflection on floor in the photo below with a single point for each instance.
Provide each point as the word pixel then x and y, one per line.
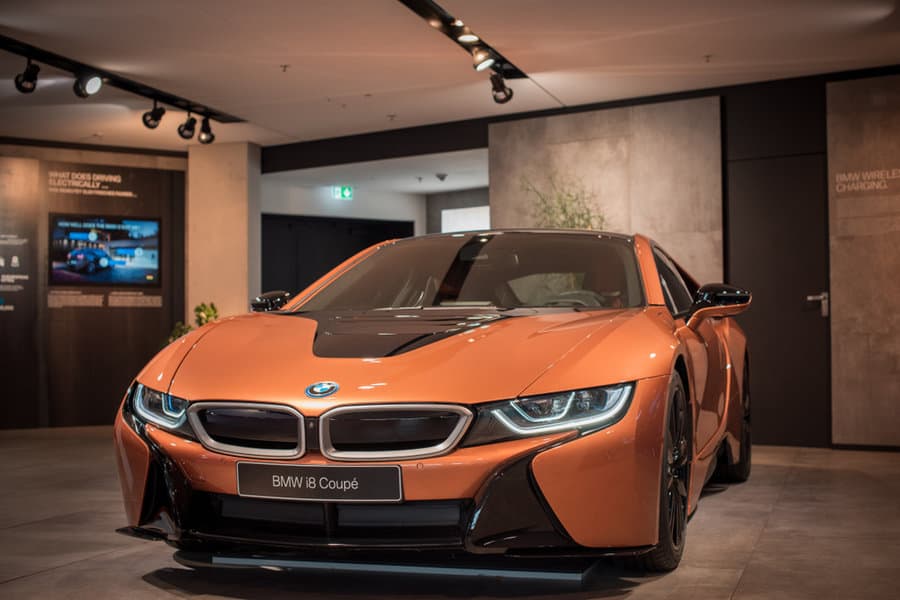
pixel 810 523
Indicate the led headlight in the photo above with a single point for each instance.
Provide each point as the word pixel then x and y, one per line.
pixel 584 410
pixel 159 408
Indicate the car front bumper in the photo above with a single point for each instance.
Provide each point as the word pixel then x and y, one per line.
pixel 559 494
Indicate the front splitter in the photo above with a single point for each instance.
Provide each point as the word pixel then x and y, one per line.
pixel 576 573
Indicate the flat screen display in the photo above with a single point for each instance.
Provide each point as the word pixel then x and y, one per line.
pixel 104 250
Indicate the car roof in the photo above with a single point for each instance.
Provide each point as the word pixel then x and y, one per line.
pixel 589 232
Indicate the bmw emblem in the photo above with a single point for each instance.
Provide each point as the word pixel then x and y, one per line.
pixel 321 389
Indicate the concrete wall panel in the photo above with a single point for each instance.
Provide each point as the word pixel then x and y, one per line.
pixel 864 215
pixel 653 169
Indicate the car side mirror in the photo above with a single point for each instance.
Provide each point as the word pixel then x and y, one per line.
pixel 269 301
pixel 718 300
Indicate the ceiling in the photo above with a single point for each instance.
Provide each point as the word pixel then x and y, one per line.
pixel 366 65
pixel 462 170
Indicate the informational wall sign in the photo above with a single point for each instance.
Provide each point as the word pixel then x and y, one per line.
pixel 81 299
pixel 90 181
pixel 15 256
pixel 19 218
pixel 871 180
pixel 133 300
pixel 18 230
pixel 74 298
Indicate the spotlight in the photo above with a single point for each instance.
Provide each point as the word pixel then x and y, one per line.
pixel 87 85
pixel 463 35
pixel 502 94
pixel 26 81
pixel 152 117
pixel 186 129
pixel 482 59
pixel 206 135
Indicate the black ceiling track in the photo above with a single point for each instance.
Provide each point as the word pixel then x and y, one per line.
pixel 435 15
pixel 52 59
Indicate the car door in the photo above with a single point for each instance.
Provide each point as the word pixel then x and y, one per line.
pixel 705 353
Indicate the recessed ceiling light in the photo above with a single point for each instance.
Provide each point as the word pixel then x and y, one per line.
pixel 467 38
pixel 458 23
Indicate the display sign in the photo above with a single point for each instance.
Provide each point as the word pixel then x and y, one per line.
pixel 111 251
pixel 89 180
pixel 331 483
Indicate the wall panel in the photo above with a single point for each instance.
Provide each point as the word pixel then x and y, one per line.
pixel 653 169
pixel 864 199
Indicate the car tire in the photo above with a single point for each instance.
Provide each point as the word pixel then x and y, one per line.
pixel 738 472
pixel 675 478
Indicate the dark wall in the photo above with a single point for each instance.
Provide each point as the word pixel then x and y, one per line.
pixel 20 213
pixel 80 359
pixel 776 236
pixel 435 203
pixel 297 250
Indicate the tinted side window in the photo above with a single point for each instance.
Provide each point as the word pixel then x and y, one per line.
pixel 678 298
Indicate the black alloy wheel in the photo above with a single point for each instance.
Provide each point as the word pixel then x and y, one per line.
pixel 676 471
pixel 677 468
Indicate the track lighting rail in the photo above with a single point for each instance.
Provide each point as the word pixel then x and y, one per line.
pixel 79 69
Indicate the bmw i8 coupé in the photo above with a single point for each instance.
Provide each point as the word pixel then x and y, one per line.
pixel 543 393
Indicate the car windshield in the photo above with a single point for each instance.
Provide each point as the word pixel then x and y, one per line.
pixel 498 269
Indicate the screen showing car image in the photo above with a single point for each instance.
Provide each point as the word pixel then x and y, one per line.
pixel 86 250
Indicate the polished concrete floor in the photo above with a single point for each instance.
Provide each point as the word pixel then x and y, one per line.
pixel 810 523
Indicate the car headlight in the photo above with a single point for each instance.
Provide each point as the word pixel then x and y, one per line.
pixel 159 408
pixel 584 410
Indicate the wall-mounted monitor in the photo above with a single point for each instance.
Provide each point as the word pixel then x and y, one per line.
pixel 104 250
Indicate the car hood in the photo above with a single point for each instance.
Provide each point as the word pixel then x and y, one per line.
pixel 462 357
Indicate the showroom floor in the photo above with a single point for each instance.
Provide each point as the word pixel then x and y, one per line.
pixel 810 523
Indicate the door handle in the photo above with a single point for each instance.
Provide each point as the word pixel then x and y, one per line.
pixel 823 300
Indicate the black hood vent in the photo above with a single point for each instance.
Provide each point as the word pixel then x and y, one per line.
pixel 376 334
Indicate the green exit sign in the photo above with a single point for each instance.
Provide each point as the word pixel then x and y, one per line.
pixel 342 192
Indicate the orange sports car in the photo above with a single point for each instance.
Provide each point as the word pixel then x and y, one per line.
pixel 517 393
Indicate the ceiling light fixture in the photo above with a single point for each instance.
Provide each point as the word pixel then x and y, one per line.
pixel 87 85
pixel 26 81
pixel 462 33
pixel 152 117
pixel 90 79
pixel 484 56
pixel 500 91
pixel 206 135
pixel 186 129
pixel 482 59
